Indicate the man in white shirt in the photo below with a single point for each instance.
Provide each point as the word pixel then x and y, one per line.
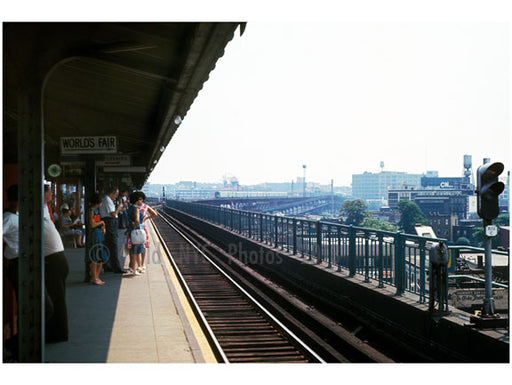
pixel 11 235
pixel 56 272
pixel 108 214
pixel 11 253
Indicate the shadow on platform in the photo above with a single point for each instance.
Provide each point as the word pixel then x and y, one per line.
pixel 91 314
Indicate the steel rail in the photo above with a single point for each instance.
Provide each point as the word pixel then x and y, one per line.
pixel 219 353
pixel 294 338
pixel 478 280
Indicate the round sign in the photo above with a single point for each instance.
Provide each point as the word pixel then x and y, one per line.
pixel 54 170
pixel 491 230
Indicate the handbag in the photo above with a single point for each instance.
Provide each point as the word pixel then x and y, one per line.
pixel 138 237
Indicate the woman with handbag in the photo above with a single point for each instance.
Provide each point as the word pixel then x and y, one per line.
pixel 97 254
pixel 148 213
pixel 136 234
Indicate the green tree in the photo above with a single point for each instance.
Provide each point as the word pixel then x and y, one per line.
pixel 479 237
pixel 410 214
pixel 374 223
pixel 355 211
pixel 502 220
pixel 463 241
pixel 479 234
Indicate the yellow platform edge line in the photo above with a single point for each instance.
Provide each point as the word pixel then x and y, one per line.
pixel 202 342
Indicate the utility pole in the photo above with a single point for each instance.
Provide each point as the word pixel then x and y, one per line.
pixel 490 232
pixel 488 191
pixel 304 182
pixel 332 196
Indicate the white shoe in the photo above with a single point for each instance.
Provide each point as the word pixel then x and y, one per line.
pixel 137 273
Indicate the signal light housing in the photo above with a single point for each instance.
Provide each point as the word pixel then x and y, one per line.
pixel 489 189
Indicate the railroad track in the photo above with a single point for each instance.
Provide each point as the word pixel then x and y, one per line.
pixel 239 328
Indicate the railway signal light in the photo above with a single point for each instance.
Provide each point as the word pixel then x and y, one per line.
pixel 489 189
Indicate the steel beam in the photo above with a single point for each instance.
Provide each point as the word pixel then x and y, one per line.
pixel 31 265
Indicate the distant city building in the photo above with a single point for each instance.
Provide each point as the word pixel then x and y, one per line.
pixel 505 237
pixel 193 194
pixel 300 187
pixel 229 187
pixel 504 198
pixel 445 183
pixel 271 187
pixel 343 190
pixel 443 224
pixel 386 214
pixel 150 191
pixel 438 196
pixel 250 194
pixel 465 229
pixel 374 186
pixel 433 201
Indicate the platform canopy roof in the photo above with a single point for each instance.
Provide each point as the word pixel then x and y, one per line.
pixel 131 81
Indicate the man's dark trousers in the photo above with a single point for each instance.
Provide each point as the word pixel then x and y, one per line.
pixel 111 244
pixel 56 271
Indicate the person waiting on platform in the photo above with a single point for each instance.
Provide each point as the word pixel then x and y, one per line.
pixel 122 243
pixel 97 251
pixel 135 221
pixel 149 213
pixel 438 259
pixel 72 214
pixel 10 262
pixel 10 236
pixel 56 270
pixel 70 227
pixel 108 214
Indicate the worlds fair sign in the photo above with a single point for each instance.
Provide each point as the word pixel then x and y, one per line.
pixel 88 145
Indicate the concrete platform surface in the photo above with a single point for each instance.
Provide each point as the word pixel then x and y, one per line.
pixel 130 319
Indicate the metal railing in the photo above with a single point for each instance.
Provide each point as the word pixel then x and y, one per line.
pixel 481 280
pixel 456 251
pixel 392 258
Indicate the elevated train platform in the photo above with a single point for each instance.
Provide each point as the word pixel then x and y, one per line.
pixel 148 319
pixel 87 107
pixel 130 319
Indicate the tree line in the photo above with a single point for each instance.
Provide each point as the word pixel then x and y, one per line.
pixel 355 212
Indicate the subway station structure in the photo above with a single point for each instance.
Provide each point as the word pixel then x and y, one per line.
pixel 87 105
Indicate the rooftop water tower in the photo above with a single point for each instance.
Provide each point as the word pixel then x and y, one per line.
pixel 468 168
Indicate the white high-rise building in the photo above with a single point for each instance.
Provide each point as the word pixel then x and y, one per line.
pixel 374 186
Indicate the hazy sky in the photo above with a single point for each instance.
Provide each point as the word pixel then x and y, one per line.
pixel 337 85
pixel 341 97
